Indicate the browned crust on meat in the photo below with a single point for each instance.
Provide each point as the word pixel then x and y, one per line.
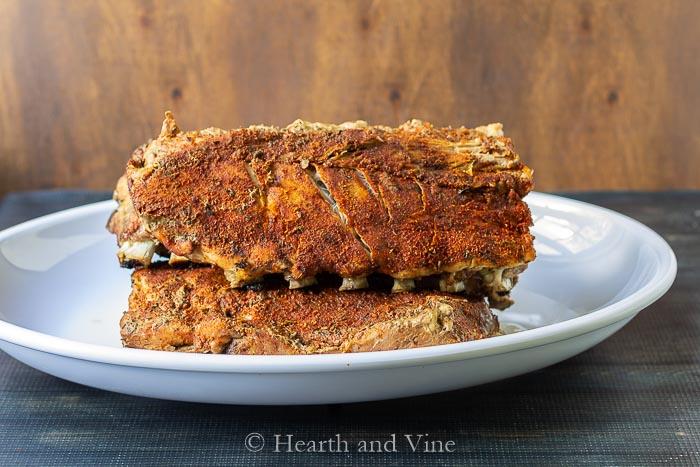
pixel 410 202
pixel 195 310
pixel 125 222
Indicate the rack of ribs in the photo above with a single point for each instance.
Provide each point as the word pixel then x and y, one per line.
pixel 194 309
pixel 414 202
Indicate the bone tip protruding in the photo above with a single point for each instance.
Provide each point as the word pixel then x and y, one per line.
pixel 415 125
pixel 497 280
pixel 354 283
pixel 492 130
pixel 452 286
pixel 403 285
pixel 177 259
pixel 301 283
pixel 237 278
pixel 169 128
pixel 140 252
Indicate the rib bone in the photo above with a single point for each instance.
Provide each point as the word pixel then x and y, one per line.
pixel 140 251
pixel 403 285
pixel 354 283
pixel 301 283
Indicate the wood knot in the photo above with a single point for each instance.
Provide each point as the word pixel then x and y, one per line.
pixel 394 95
pixel 586 25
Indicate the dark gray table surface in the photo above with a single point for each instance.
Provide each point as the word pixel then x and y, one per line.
pixel 632 400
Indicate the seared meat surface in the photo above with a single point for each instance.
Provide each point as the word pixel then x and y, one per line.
pixel 194 309
pixel 351 199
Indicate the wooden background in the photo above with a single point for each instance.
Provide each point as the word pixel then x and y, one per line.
pixel 595 94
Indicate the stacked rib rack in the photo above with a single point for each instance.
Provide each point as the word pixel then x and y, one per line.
pixel 435 210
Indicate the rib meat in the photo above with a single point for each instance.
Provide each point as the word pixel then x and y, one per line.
pixel 350 199
pixel 196 310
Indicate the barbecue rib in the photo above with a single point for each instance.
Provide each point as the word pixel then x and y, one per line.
pixel 194 309
pixel 350 199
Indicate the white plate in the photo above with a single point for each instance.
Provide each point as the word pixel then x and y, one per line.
pixel 63 294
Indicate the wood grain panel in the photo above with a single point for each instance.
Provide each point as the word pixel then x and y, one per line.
pixel 596 94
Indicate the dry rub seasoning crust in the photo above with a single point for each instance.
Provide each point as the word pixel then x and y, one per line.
pixel 196 310
pixel 350 199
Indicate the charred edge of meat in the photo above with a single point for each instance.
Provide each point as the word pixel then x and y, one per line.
pixel 130 264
